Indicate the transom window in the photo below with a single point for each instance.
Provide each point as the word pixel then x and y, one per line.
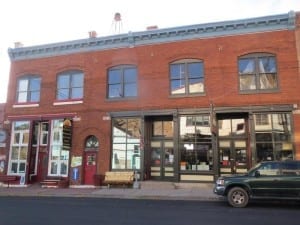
pixel 70 85
pixel 186 77
pixel 258 72
pixel 91 142
pixel 163 129
pixel 122 81
pixel 29 89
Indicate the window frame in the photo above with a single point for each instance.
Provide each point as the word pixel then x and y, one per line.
pixel 273 141
pixel 70 89
pixel 122 82
pixel 187 77
pixel 56 146
pixel 193 146
pixel 19 142
pixel 126 135
pixel 257 74
pixel 29 78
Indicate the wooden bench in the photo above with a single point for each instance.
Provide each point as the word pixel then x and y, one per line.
pixel 7 179
pixel 119 178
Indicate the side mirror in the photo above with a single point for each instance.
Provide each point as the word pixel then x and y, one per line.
pixel 257 173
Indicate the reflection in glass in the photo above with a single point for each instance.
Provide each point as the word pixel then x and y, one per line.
pixel 195 143
pixel 273 136
pixel 54 168
pixel 169 156
pixel 258 72
pixel 14 167
pixel 21 125
pixel 19 147
pixel 126 143
pixel 22 167
pixel 122 81
pixel 155 156
pixel 14 153
pixel 63 168
pixel 187 77
pixel 163 128
pixel 229 127
pixel 23 153
pixel 70 85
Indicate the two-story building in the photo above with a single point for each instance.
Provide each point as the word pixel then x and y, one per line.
pixel 183 104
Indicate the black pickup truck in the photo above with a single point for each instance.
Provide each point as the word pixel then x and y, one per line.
pixel 267 180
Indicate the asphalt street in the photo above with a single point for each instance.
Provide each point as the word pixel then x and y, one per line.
pixel 89 211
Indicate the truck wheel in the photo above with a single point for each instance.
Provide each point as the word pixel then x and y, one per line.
pixel 238 197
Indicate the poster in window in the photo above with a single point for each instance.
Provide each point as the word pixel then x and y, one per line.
pixel 67 134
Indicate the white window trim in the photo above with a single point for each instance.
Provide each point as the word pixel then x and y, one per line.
pixel 9 172
pixel 68 103
pixel 25 105
pixel 58 161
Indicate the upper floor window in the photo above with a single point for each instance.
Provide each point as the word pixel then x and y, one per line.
pixel 70 85
pixel 29 89
pixel 187 77
pixel 122 81
pixel 258 72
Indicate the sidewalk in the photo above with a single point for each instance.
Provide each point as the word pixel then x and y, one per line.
pixel 147 190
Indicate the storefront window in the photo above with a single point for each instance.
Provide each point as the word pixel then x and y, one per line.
pixel 195 143
pixel 19 147
pixel 126 143
pixel 59 157
pixel 273 139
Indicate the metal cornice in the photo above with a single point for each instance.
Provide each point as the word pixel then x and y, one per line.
pixel 132 39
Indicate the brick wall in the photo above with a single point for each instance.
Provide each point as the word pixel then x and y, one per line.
pixel 221 80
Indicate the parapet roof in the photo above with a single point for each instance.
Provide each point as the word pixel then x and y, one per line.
pixel 156 36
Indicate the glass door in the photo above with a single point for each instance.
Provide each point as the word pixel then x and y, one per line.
pixel 233 156
pixel 162 160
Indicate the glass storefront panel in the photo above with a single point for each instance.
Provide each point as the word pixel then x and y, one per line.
pixel 126 136
pixel 23 153
pixel 19 147
pixel 273 137
pixel 14 153
pixel 195 143
pixel 59 158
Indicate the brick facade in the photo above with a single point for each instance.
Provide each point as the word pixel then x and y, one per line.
pixel 219 53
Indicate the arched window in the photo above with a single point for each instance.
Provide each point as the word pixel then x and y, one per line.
pixel 187 77
pixel 91 142
pixel 29 87
pixel 122 81
pixel 257 72
pixel 70 85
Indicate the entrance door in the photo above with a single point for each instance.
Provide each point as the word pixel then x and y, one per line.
pixel 90 168
pixel 233 156
pixel 233 149
pixel 162 160
pixel 42 165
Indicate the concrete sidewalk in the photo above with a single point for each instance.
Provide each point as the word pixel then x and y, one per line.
pixel 146 190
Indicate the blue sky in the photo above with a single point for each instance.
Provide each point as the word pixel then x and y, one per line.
pixel 34 22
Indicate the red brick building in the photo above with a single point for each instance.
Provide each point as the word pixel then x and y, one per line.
pixel 181 104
